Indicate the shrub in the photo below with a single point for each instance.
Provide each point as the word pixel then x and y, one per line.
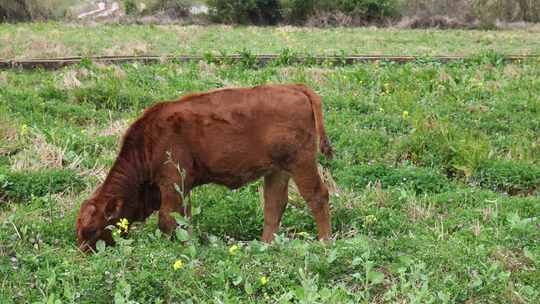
pixel 483 13
pixel 490 11
pixel 19 10
pixel 25 10
pixel 261 12
pixel 511 177
pixel 420 180
pixel 178 8
pixel 296 11
pixel 130 7
pixel 318 12
pixel 335 12
pixel 23 185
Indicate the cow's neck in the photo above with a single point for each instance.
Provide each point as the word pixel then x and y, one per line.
pixel 124 180
pixel 131 169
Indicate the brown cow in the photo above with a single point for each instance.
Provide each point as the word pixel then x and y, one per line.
pixel 229 137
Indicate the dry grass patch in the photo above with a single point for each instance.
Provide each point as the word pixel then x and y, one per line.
pixel 488 213
pixel 67 201
pixel 3 79
pixel 207 69
pixel 43 48
pixel 98 171
pixel 186 34
pixel 511 260
pixel 294 196
pixel 315 74
pixel 293 29
pixel 318 75
pixel 476 229
pixel 417 211
pixel 40 154
pixel 288 72
pixel 135 47
pixel 534 28
pixel 511 70
pixel 70 80
pixel 9 135
pixel 118 72
pixel 114 128
pixel 7 50
pixel 437 21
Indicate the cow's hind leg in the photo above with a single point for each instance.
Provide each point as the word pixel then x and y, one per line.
pixel 275 202
pixel 315 192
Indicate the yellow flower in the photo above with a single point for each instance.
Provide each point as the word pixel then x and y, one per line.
pixel 264 280
pixel 123 224
pixel 370 219
pixel 24 129
pixel 233 249
pixel 405 114
pixel 178 264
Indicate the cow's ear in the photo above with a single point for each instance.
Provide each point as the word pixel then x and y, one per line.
pixel 113 209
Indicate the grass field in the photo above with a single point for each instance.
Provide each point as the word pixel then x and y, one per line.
pixel 437 170
pixel 43 40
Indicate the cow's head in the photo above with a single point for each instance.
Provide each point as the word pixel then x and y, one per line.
pixel 94 217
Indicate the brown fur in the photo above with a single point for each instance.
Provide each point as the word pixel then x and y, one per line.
pixel 229 137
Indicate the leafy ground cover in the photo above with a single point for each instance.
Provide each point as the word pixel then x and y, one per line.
pixel 437 170
pixel 43 40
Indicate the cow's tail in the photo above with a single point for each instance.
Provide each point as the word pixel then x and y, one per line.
pixel 316 106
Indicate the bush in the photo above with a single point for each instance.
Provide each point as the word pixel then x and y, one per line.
pixel 323 12
pixel 483 13
pixel 420 180
pixel 508 176
pixel 178 8
pixel 22 186
pixel 130 7
pixel 260 12
pixel 25 10
pixel 16 10
pixel 490 11
pixel 318 12
pixel 296 11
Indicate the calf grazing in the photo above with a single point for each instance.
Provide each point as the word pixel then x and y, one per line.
pixel 228 137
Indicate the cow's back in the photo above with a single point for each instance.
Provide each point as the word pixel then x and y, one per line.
pixel 240 134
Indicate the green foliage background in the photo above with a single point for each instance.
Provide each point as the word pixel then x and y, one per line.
pixel 437 166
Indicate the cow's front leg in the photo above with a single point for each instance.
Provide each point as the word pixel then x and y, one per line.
pixel 171 201
pixel 174 182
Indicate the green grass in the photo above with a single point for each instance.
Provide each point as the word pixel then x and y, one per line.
pixel 438 167
pixel 42 40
